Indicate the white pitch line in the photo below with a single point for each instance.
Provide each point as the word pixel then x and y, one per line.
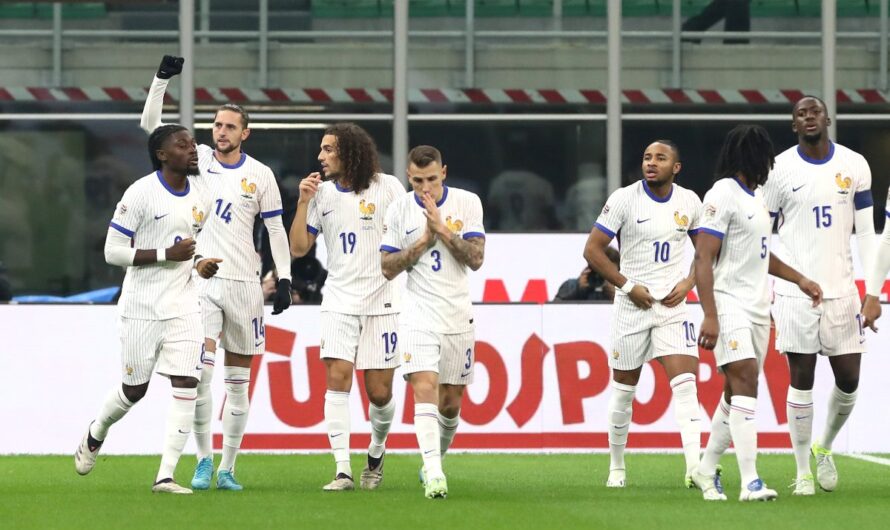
pixel 869 458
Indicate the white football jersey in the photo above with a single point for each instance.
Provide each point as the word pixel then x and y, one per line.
pixel 816 202
pixel 352 227
pixel 740 219
pixel 155 216
pixel 652 234
pixel 438 296
pixel 237 193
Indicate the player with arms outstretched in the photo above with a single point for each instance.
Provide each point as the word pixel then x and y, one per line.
pixel 359 311
pixel 152 234
pixel 239 188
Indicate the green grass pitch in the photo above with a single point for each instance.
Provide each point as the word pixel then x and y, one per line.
pixel 485 491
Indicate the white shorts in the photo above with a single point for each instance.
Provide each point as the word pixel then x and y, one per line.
pixel 233 310
pixel 741 339
pixel 452 355
pixel 834 327
pixel 174 345
pixel 370 342
pixel 639 335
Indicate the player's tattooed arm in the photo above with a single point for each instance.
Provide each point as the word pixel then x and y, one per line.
pixel 470 252
pixel 393 263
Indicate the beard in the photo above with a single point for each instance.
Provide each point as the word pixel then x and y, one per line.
pixel 228 149
pixel 193 171
pixel 812 138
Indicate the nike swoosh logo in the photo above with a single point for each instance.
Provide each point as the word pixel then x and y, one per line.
pixel 800 417
pixel 464 375
pixel 751 217
pixel 183 432
pixel 642 220
pixel 428 452
pixel 234 413
pixel 387 359
pixel 794 190
pixel 695 419
pixel 336 435
pixel 325 213
pixel 842 414
pixel 214 172
pixel 408 232
pixel 749 418
pixel 161 216
pixel 258 344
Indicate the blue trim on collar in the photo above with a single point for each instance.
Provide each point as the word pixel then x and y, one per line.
pixel 745 188
pixel 171 190
pixel 440 203
pixel 340 189
pixel 236 165
pixel 655 197
pixel 817 161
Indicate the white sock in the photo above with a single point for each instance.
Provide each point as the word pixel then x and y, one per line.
pixel 688 416
pixel 719 440
pixel 179 425
pixel 447 430
pixel 234 414
pixel 204 409
pixel 799 408
pixel 381 421
pixel 336 418
pixel 114 408
pixel 743 424
pixel 426 425
pixel 620 411
pixel 840 405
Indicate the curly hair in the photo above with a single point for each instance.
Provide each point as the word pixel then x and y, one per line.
pixel 357 152
pixel 748 150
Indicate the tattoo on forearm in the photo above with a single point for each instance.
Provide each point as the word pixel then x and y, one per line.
pixel 470 252
pixel 397 262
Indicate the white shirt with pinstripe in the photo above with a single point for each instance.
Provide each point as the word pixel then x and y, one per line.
pixel 352 227
pixel 438 292
pixel 739 218
pixel 816 203
pixel 155 216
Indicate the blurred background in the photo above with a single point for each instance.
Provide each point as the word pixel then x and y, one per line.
pixel 516 94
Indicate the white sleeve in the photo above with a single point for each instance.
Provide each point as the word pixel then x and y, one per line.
pixel 864 223
pixel 117 249
pixel 695 210
pixel 717 212
pixel 154 104
pixel 612 217
pixel 392 231
pixel 313 220
pixel 280 248
pixel 474 226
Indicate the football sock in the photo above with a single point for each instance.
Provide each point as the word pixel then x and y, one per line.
pixel 447 430
pixel 426 425
pixel 620 412
pixel 381 421
pixel 234 413
pixel 743 425
pixel 799 408
pixel 204 408
pixel 719 440
pixel 114 408
pixel 179 425
pixel 687 414
pixel 840 405
pixel 336 417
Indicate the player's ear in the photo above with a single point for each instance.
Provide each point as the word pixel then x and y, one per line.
pixel 444 173
pixel 677 167
pixel 162 155
pixel 828 121
pixel 244 134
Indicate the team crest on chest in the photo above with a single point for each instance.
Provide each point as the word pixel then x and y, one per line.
pixel 249 188
pixel 455 226
pixel 197 215
pixel 682 221
pixel 843 184
pixel 367 210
